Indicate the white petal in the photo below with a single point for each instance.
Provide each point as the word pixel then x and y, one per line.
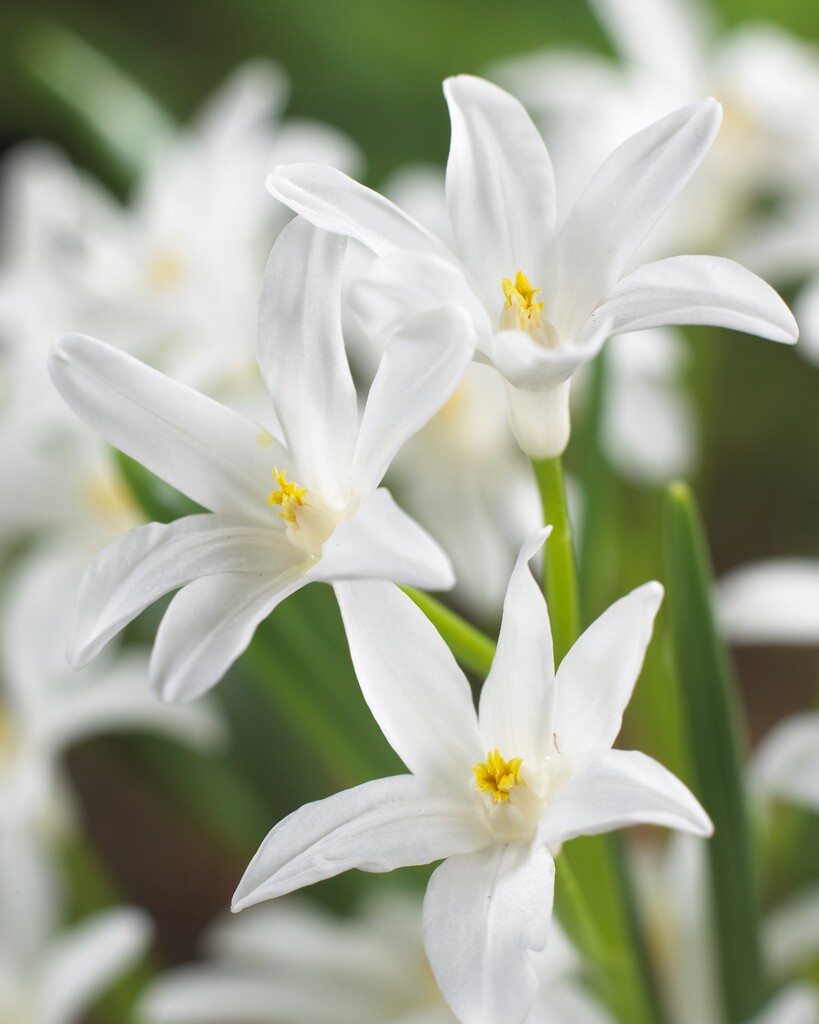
pixel 526 364
pixel 208 995
pixel 790 934
pixel 773 602
pixel 115 697
pixel 152 560
pixel 421 367
pixel 380 826
pixel 596 678
pixel 621 204
pixel 85 960
pixel 209 624
pixel 302 358
pixel 697 290
pixel 483 912
pixel 797 1004
pixel 500 186
pixel 334 202
pixel 668 39
pixel 516 699
pixel 381 542
pixel 412 683
pixel 396 288
pixel 786 763
pixel 202 448
pixel 613 789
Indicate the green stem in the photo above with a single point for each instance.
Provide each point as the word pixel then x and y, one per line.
pixel 560 568
pixel 473 649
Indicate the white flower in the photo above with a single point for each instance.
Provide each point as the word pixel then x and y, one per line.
pixel 293 964
pixel 540 302
pixel 495 792
pixel 281 515
pixel 70 970
pixel 785 765
pixel 45 708
pixel 770 602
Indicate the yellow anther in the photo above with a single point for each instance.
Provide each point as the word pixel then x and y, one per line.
pixel 497 776
pixel 290 496
pixel 521 310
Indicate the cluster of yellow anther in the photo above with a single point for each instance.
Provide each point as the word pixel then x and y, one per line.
pixel 290 496
pixel 521 311
pixel 497 776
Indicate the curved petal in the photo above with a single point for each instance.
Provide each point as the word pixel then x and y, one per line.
pixel 500 186
pixel 526 364
pixel 421 367
pixel 482 913
pixel 214 455
pixel 796 1004
pixel 381 542
pixel 697 290
pixel 209 624
pixel 85 960
pixel 772 602
pixel 302 358
pixel 412 683
pixel 117 697
pixel 149 561
pixel 379 826
pixel 666 38
pixel 611 789
pixel 786 763
pixel 621 204
pixel 596 678
pixel 516 700
pixel 208 995
pixel 396 288
pixel 332 201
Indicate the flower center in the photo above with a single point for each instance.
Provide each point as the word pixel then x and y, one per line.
pixel 290 496
pixel 310 520
pixel 522 313
pixel 497 776
pixel 165 270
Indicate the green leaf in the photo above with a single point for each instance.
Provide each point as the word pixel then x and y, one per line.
pixel 710 712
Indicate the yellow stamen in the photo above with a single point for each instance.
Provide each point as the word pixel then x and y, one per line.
pixel 497 776
pixel 521 310
pixel 290 496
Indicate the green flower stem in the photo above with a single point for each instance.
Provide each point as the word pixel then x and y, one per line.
pixel 710 712
pixel 122 119
pixel 560 567
pixel 472 648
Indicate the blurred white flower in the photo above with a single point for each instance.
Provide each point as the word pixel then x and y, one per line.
pixel 672 885
pixel 494 793
pixel 173 275
pixel 294 964
pixel 770 602
pixel 58 982
pixel 538 303
pixel 45 707
pixel 785 765
pixel 282 514
pixel 670 54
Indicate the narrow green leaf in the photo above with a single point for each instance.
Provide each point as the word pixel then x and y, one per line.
pixel 159 501
pixel 710 712
pixel 123 119
pixel 472 648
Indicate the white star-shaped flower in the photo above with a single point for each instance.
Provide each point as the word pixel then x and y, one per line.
pixel 282 513
pixel 493 792
pixel 538 301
